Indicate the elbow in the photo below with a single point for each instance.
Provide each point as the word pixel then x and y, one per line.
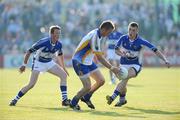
pixel 28 52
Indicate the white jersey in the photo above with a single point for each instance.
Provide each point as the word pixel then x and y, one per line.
pixel 90 44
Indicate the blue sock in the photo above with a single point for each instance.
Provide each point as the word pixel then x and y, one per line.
pixel 63 92
pixel 122 97
pixel 115 94
pixel 19 95
pixel 87 96
pixel 74 101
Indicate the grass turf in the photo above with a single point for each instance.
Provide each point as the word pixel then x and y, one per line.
pixel 154 94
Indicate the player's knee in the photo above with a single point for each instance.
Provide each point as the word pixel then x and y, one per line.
pixel 132 73
pixel 101 82
pixel 87 88
pixel 63 76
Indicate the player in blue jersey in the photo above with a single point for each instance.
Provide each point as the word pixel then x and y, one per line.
pixel 111 55
pixel 45 50
pixel 129 47
pixel 91 45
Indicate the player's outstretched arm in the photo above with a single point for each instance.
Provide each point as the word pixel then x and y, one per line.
pixel 26 58
pixel 101 59
pixel 161 56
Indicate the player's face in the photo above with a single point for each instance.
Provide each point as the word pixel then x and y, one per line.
pixel 55 35
pixel 132 32
pixel 106 32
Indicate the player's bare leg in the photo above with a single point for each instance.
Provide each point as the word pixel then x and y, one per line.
pixel 98 77
pixel 121 89
pixel 25 89
pixel 86 88
pixel 59 72
pixel 32 82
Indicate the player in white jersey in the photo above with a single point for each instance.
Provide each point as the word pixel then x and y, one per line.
pixel 129 47
pixel 90 46
pixel 45 49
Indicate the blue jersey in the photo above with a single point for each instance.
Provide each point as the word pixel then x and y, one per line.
pixel 134 48
pixel 45 49
pixel 113 38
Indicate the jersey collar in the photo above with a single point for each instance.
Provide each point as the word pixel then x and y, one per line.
pixel 137 36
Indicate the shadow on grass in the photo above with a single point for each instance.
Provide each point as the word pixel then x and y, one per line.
pixel 41 108
pixel 132 85
pixel 114 114
pixel 101 113
pixel 153 111
pixel 92 112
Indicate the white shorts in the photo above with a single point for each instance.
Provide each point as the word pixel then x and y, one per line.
pixel 135 66
pixel 43 67
pixel 111 55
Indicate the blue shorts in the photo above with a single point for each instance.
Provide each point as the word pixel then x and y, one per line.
pixel 83 70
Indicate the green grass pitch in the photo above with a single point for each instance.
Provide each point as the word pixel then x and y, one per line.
pixel 154 94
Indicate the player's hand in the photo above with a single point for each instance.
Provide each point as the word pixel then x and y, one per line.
pixel 115 70
pixel 127 54
pixel 22 69
pixel 167 64
pixel 124 54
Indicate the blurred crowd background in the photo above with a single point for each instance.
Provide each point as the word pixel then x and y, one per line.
pixel 23 22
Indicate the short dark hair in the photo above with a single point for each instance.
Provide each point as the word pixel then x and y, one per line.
pixel 108 24
pixel 53 27
pixel 134 24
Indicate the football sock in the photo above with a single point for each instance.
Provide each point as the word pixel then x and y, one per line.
pixel 63 92
pixel 122 97
pixel 19 95
pixel 115 94
pixel 87 96
pixel 74 101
